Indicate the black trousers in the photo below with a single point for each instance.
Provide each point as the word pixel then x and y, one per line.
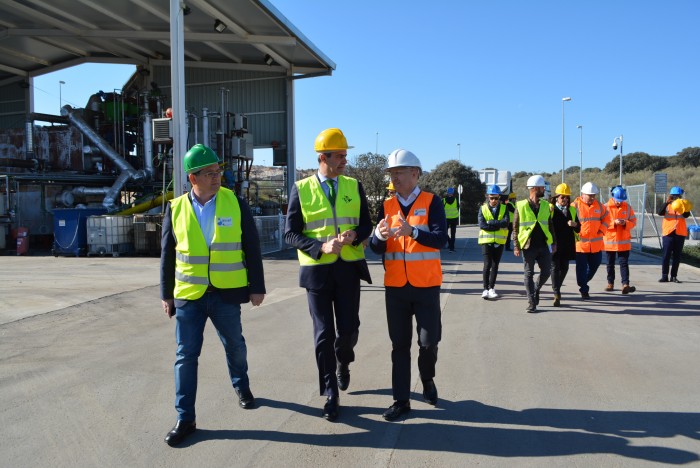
pixel 492 257
pixel 673 248
pixel 401 305
pixel 335 312
pixel 452 232
pixel 560 267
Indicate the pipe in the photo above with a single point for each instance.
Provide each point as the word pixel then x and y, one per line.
pixel 148 144
pixel 127 171
pixel 145 206
pixel 196 125
pixel 32 164
pixel 29 137
pixel 48 118
pixel 205 127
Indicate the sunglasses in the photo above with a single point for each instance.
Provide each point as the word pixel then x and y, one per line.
pixel 494 198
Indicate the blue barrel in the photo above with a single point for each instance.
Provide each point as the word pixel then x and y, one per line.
pixel 70 230
pixel 694 232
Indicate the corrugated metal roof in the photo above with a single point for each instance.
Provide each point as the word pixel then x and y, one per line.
pixel 41 36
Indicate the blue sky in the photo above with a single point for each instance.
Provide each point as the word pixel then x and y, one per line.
pixel 485 80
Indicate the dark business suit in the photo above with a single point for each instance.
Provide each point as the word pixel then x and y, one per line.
pixel 333 290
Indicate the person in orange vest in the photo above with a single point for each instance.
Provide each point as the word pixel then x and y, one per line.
pixel 410 231
pixel 595 219
pixel 674 231
pixel 618 238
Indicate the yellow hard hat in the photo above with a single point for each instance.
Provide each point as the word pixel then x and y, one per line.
pixel 512 196
pixel 562 189
pixel 329 140
pixel 678 205
pixel 390 186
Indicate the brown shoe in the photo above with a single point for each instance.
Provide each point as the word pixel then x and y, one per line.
pixel 626 289
pixel 610 287
pixel 557 300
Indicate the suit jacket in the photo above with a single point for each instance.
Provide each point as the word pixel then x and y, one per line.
pixel 317 276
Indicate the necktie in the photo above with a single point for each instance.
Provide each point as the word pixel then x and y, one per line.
pixel 331 190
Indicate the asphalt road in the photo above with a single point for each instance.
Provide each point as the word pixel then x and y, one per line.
pixel 86 358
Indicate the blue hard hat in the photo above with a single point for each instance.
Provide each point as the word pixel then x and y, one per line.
pixel 450 190
pixel 493 190
pixel 618 193
pixel 676 190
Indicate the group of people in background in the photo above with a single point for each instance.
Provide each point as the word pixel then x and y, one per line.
pixel 553 233
pixel 211 263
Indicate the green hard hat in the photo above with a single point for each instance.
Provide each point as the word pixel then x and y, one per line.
pixel 197 157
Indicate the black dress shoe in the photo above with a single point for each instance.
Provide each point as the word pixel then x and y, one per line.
pixel 430 393
pixel 343 375
pixel 585 295
pixel 396 410
pixel 663 279
pixel 675 280
pixel 181 430
pixel 246 400
pixel 330 409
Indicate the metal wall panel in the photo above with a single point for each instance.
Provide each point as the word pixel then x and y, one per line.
pixel 261 96
pixel 13 102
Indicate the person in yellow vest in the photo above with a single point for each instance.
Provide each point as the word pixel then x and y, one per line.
pixel 451 204
pixel 595 220
pixel 410 232
pixel 674 230
pixel 493 219
pixel 210 265
pixel 327 220
pixel 566 228
pixel 533 235
pixel 618 238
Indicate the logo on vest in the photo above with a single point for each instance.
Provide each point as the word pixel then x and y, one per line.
pixel 224 222
pixel 347 199
pixel 419 212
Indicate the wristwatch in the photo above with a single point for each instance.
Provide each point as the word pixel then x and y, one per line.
pixel 414 233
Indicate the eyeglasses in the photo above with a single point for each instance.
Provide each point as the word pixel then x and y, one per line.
pixel 494 198
pixel 211 174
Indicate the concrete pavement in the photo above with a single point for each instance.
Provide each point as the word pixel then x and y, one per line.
pixel 86 358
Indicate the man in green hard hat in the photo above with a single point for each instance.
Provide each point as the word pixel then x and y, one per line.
pixel 210 264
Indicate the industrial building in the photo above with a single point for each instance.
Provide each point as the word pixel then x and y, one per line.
pixel 217 72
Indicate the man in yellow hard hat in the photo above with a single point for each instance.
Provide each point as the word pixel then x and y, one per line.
pixel 210 265
pixel 327 220
pixel 566 227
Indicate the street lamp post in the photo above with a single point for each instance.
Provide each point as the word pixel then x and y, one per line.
pixel 580 153
pixel 614 148
pixel 376 147
pixel 60 97
pixel 459 152
pixel 563 100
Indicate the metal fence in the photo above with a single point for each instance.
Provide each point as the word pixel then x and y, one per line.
pixel 636 198
pixel 271 233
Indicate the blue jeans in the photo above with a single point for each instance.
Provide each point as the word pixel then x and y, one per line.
pixel 189 333
pixel 586 266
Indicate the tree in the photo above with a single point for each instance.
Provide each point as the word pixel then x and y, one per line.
pixel 368 168
pixel 451 174
pixel 638 161
pixel 689 157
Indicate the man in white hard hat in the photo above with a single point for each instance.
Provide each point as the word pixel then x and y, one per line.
pixel 533 235
pixel 595 219
pixel 410 231
pixel 327 220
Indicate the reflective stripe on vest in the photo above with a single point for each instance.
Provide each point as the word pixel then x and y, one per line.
pixel 490 237
pixel 324 222
pixel 451 210
pixel 527 220
pixel 196 265
pixel 405 260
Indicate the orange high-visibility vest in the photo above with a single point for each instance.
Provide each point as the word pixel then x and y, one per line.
pixel 405 260
pixel 674 221
pixel 594 219
pixel 618 238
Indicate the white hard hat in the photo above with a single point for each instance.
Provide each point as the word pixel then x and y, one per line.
pixel 535 181
pixel 402 158
pixel 589 188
